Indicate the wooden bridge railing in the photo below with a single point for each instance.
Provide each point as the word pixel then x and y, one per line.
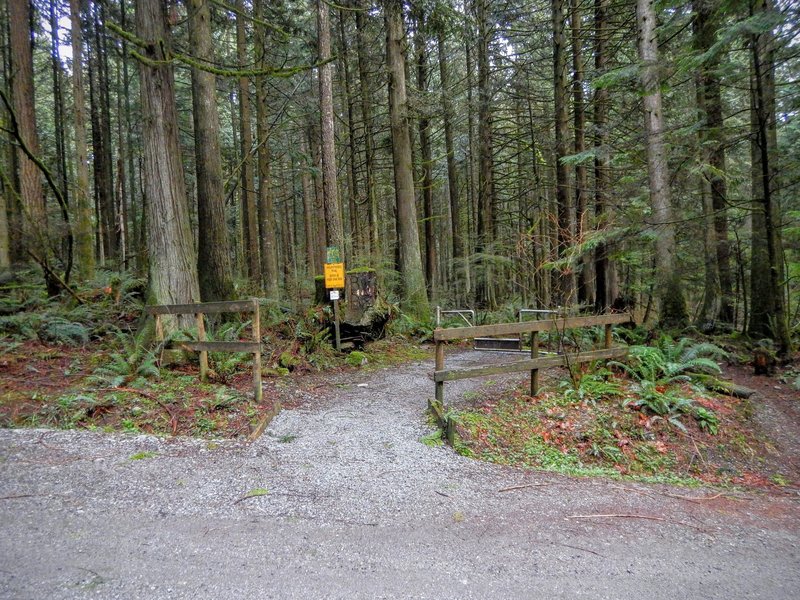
pixel 535 362
pixel 202 345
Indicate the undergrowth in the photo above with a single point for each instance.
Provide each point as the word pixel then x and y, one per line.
pixel 643 417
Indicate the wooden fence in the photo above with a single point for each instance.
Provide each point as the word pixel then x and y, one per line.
pixel 202 345
pixel 534 363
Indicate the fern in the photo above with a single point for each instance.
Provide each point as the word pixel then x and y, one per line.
pixel 670 361
pixel 62 331
pixel 592 387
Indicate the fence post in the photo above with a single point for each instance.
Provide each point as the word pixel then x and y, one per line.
pixel 534 354
pixel 440 367
pixel 257 355
pixel 608 335
pixel 201 336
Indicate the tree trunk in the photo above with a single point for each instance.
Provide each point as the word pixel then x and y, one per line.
pixel 214 265
pixel 565 278
pixel 249 216
pixel 34 213
pixel 768 307
pixel 333 213
pixel 266 210
pixel 104 167
pixel 173 264
pixel 424 125
pixel 308 210
pixel 59 122
pixel 603 297
pixel 84 230
pixel 366 117
pixel 414 298
pixel 668 285
pixel 486 217
pixel 584 281
pixel 452 172
pixel 712 124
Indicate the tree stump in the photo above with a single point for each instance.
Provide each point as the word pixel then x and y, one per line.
pixel 361 292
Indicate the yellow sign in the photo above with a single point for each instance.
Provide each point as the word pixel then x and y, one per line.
pixel 334 275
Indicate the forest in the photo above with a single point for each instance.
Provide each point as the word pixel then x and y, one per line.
pixel 637 155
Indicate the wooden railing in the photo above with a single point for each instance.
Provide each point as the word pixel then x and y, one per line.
pixel 535 362
pixel 202 345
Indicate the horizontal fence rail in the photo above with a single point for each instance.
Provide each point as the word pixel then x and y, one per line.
pixel 536 362
pixel 520 366
pixel 202 345
pixel 463 333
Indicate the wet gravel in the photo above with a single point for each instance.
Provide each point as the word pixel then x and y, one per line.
pixel 340 499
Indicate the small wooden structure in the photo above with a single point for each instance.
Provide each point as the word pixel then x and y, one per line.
pixel 533 364
pixel 202 345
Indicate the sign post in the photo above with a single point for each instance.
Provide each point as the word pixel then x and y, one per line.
pixel 334 281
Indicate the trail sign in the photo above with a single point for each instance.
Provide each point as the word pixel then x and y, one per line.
pixel 334 275
pixel 333 254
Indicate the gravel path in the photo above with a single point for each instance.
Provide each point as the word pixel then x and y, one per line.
pixel 356 507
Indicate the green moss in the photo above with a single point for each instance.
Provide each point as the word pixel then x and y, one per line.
pixel 356 359
pixel 360 270
pixel 288 360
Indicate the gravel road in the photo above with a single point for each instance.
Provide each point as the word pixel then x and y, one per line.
pixel 354 506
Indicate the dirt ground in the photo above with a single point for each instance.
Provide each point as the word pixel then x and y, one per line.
pixel 341 499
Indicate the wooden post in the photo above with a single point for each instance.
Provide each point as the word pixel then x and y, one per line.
pixel 439 367
pixel 608 336
pixel 159 329
pixel 534 372
pixel 201 336
pixel 336 324
pixel 257 355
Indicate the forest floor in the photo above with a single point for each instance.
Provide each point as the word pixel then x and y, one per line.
pixel 756 445
pixel 343 498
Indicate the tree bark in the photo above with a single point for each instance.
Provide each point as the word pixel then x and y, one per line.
pixel 768 316
pixel 213 260
pixel 584 279
pixel 486 193
pixel 366 117
pixel 308 209
pixel 266 210
pixel 603 297
pixel 173 264
pixel 712 128
pixel 424 124
pixel 84 230
pixel 101 136
pixel 668 285
pixel 414 298
pixel 249 216
pixel 353 196
pixel 452 171
pixel 565 277
pixel 333 213
pixel 34 213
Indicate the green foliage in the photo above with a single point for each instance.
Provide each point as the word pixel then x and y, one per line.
pixel 131 362
pixel 592 387
pixel 255 492
pixel 706 419
pixel 433 439
pixel 143 455
pixel 59 330
pixel 407 326
pixel 356 359
pixel 670 361
pixel 663 403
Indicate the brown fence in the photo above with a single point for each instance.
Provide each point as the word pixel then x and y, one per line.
pixel 534 363
pixel 202 345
